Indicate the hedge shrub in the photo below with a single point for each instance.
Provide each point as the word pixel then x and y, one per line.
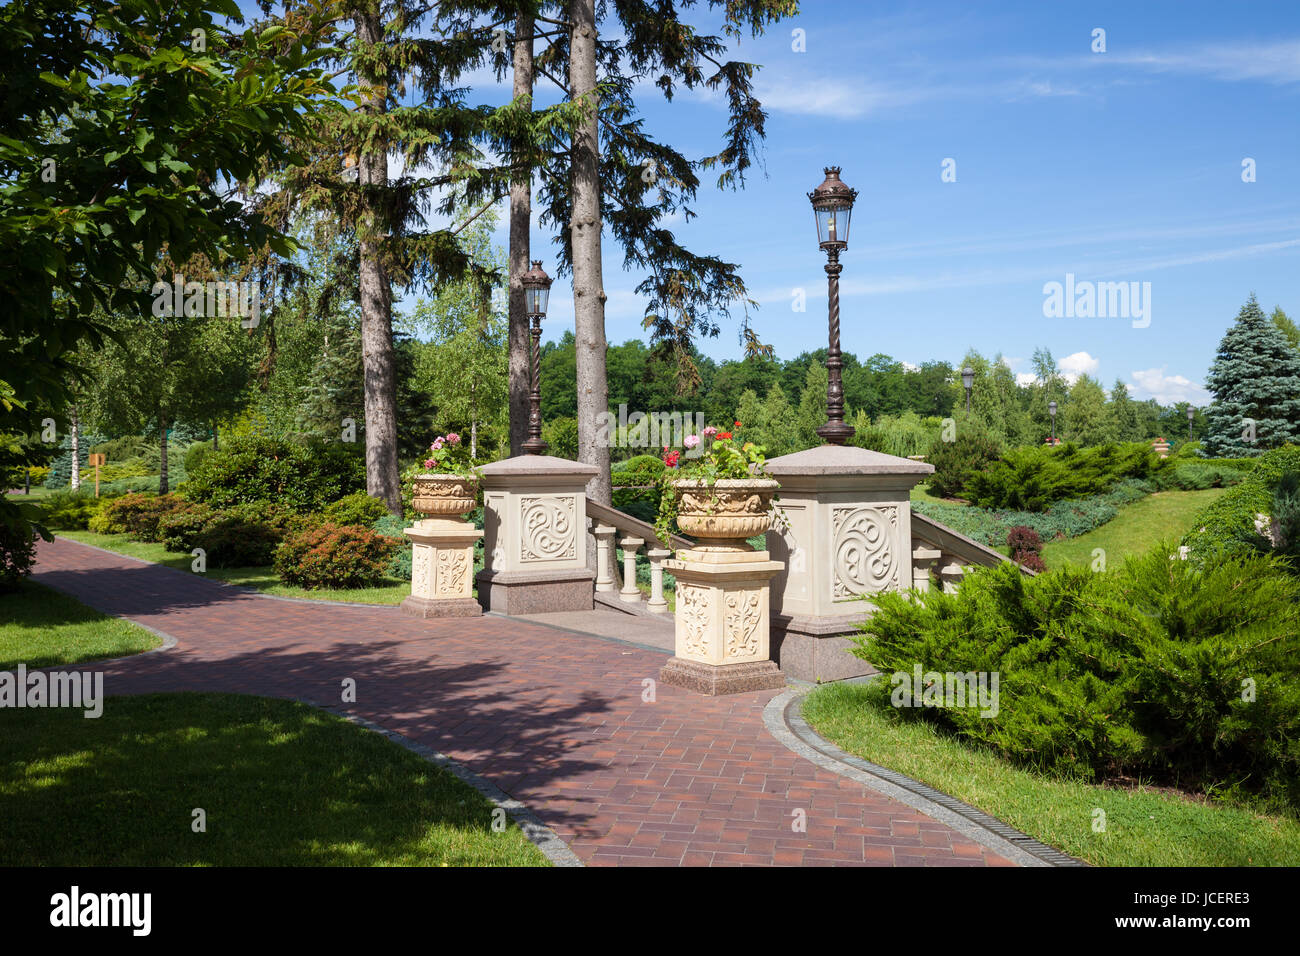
pixel 136 514
pixel 334 556
pixel 1031 478
pixel 1169 670
pixel 69 510
pixel 356 508
pixel 955 462
pixel 1228 523
pixel 304 476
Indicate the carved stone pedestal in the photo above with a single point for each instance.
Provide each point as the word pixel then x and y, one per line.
pixel 843 532
pixel 442 569
pixel 535 541
pixel 722 644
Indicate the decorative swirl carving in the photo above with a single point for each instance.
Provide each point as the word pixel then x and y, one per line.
pixel 548 528
pixel 865 559
pixel 420 571
pixel 445 495
pixel 453 563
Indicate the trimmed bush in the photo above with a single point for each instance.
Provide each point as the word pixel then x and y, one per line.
pixel 1228 524
pixel 303 476
pixel 231 541
pixel 334 556
pixel 136 514
pixel 1137 672
pixel 1030 479
pixel 971 451
pixel 357 508
pixel 181 529
pixel 17 553
pixel 69 510
pixel 195 454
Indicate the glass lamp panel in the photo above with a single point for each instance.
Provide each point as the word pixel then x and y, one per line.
pixel 833 222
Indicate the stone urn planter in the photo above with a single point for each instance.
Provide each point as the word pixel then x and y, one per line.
pixel 722 515
pixel 444 496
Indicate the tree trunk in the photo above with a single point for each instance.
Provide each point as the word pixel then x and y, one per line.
pixel 585 226
pixel 74 477
pixel 377 355
pixel 163 487
pixel 473 422
pixel 520 214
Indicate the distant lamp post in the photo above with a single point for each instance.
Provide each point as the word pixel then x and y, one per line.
pixel 967 380
pixel 537 291
pixel 1191 413
pixel 1051 410
pixel 832 204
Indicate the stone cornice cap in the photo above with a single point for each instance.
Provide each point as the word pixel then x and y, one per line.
pixel 536 465
pixel 844 460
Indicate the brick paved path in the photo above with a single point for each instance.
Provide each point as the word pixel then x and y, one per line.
pixel 554 719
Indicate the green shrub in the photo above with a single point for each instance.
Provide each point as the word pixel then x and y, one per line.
pixel 334 556
pixel 1031 478
pixel 232 541
pixel 561 436
pixel 1228 524
pixel 180 530
pixel 17 553
pixel 1137 672
pixel 304 476
pixel 357 508
pixel 195 454
pixel 901 435
pixel 393 526
pixel 126 447
pixel 68 510
pixel 971 451
pixel 136 514
pixel 130 468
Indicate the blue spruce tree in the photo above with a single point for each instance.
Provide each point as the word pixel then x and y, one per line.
pixel 1255 379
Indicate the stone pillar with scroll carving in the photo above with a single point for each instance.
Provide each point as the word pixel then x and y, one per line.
pixel 442 569
pixel 535 536
pixel 843 532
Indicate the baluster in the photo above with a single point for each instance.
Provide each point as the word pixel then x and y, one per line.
pixel 657 603
pixel 604 557
pixel 630 545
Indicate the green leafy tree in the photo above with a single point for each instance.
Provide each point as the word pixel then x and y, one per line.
pixel 1123 416
pixel 1255 380
pixel 1084 420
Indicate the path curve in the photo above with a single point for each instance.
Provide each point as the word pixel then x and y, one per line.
pixel 554 719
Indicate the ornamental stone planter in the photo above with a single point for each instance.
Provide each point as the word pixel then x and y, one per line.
pixel 442 548
pixel 722 624
pixel 724 514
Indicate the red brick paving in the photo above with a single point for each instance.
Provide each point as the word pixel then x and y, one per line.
pixel 554 719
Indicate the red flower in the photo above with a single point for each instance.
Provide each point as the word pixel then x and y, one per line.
pixel 737 425
pixel 672 458
pixel 724 434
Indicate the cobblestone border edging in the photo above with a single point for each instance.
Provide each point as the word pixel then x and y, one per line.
pixel 542 836
pixel 784 720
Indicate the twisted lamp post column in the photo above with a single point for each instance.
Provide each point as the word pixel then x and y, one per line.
pixel 537 289
pixel 832 203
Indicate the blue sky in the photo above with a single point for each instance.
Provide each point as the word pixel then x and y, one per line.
pixel 1117 166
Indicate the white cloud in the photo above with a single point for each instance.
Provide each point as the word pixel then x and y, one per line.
pixel 1026 378
pixel 1080 363
pixel 1277 62
pixel 1167 389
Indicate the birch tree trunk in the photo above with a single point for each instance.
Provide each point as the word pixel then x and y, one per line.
pixel 74 478
pixel 163 486
pixel 585 226
pixel 377 354
pixel 520 214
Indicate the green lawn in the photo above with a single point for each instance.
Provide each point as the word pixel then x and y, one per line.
pixel 281 784
pixel 1142 827
pixel 393 591
pixel 1137 528
pixel 41 627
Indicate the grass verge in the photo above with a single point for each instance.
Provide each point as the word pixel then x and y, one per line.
pixel 280 783
pixel 264 579
pixel 41 627
pixel 1137 528
pixel 1143 827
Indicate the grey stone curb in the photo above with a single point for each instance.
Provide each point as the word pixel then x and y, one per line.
pixel 552 847
pixel 784 720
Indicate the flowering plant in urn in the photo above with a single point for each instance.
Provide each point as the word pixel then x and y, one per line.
pixel 446 485
pixel 717 491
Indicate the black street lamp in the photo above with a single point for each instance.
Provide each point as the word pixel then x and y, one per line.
pixel 1051 410
pixel 968 380
pixel 832 204
pixel 537 290
pixel 1191 413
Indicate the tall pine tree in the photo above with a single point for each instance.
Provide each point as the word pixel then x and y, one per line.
pixel 1255 379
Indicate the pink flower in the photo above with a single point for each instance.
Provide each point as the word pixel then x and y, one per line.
pixel 430 463
pixel 453 438
pixel 437 445
pixel 710 430
pixel 691 441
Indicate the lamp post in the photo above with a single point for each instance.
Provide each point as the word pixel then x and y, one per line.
pixel 537 290
pixel 832 204
pixel 1051 410
pixel 1191 413
pixel 967 380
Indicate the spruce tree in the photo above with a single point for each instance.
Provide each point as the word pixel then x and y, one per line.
pixel 1255 379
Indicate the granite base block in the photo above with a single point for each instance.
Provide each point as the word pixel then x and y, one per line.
pixel 717 679
pixel 541 592
pixel 440 607
pixel 816 649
